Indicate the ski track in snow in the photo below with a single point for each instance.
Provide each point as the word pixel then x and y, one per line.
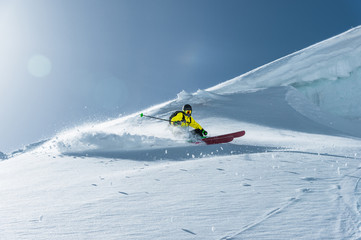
pixel 263 218
pixel 348 218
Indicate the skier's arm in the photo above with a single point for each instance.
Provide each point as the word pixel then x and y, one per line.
pixel 194 124
pixel 177 118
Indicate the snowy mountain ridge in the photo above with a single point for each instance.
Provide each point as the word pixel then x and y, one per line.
pixel 335 58
pixel 318 71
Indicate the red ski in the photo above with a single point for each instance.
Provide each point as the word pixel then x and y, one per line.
pixel 223 138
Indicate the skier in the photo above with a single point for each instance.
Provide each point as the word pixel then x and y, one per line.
pixel 184 119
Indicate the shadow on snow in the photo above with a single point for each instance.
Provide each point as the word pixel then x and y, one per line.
pixel 175 153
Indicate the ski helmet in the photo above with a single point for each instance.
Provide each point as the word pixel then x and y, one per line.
pixel 187 109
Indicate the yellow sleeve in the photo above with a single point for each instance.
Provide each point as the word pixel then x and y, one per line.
pixel 176 118
pixel 194 124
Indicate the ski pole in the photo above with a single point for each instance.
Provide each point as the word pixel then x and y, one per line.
pixel 162 119
pixel 143 115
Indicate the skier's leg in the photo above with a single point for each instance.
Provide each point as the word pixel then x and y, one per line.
pixel 197 132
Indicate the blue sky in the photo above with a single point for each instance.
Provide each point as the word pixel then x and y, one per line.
pixel 66 62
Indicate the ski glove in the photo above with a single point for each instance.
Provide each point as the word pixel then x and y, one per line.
pixel 204 132
pixel 177 123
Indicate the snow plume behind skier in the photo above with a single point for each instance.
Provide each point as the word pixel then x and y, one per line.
pixel 184 119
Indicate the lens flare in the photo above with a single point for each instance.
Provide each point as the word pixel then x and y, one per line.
pixel 39 66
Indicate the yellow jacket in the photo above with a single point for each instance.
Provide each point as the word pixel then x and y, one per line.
pixel 185 120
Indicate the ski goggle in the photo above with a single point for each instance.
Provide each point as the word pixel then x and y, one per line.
pixel 188 112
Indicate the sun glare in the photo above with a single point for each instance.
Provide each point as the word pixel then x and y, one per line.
pixel 39 66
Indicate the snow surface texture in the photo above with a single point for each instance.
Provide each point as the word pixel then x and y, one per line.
pixel 294 175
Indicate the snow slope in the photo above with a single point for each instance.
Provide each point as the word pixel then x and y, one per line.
pixel 294 175
pixel 328 73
